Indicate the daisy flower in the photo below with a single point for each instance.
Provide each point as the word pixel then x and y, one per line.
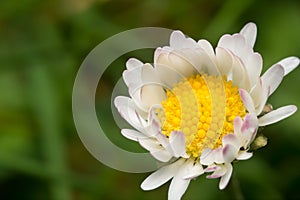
pixel 198 109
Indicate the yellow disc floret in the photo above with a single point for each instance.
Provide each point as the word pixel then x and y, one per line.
pixel 202 107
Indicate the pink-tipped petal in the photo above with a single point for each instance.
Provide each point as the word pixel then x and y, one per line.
pixel 273 77
pixel 161 176
pixel 238 122
pixel 289 64
pixel 277 115
pixel 231 139
pixel 219 172
pixel 249 31
pixel 249 129
pixel 247 100
pixel 225 179
pixel 229 153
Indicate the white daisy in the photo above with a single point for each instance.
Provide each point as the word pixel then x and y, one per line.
pixel 198 109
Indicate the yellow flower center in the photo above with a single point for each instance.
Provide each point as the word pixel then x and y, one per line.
pixel 202 107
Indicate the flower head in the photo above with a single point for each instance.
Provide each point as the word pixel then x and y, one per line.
pixel 198 109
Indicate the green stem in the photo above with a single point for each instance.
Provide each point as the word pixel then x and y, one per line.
pixel 235 188
pixel 45 104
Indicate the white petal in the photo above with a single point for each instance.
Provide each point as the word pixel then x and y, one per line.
pixel 161 155
pixel 289 64
pixel 244 155
pixel 225 179
pixel 256 93
pixel 178 40
pixel 176 60
pixel 224 60
pixel 277 115
pixel 153 128
pixel 168 75
pixel 177 188
pixel 265 93
pixel 206 157
pixel 133 76
pixel 164 141
pixel 247 100
pixel 177 142
pixel 239 74
pixel 133 63
pixel 152 95
pixel 132 134
pixel 128 111
pixel 218 154
pixel 161 176
pixel 178 184
pixel 273 77
pixel 204 44
pixel 253 63
pixel 193 171
pixel 150 144
pixel 139 77
pixel 249 31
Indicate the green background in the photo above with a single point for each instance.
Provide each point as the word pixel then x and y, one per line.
pixel 42 45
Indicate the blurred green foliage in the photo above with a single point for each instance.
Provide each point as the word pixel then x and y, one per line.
pixel 42 45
